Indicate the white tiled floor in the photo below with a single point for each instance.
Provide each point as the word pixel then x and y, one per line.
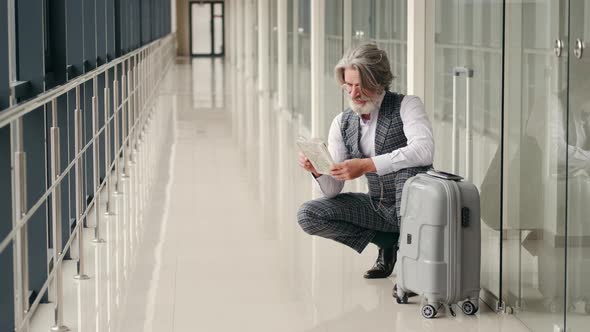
pixel 213 244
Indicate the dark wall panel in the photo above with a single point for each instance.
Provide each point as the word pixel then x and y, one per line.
pixel 146 11
pixel 90 61
pixel 90 34
pixel 56 57
pixel 30 52
pixel 101 32
pixel 56 41
pixel 56 70
pixel 111 54
pixel 136 17
pixel 75 37
pixel 101 52
pixel 4 91
pixel 6 280
pixel 75 59
pixel 30 60
pixel 110 30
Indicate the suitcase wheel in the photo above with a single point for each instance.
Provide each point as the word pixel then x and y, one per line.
pixel 469 308
pixel 554 305
pixel 428 311
pixel 402 300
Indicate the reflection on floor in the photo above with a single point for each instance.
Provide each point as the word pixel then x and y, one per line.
pixel 214 244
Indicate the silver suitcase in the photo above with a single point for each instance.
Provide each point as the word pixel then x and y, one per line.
pixel 440 247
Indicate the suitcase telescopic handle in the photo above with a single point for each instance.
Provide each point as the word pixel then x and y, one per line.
pixel 444 175
pixel 457 71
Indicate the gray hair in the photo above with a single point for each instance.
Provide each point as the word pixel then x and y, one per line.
pixel 372 65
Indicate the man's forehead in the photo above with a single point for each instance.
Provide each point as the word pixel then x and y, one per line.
pixel 351 75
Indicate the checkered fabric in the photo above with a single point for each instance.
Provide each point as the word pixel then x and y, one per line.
pixel 353 219
pixel 347 218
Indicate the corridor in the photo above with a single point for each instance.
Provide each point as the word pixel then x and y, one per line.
pixel 215 245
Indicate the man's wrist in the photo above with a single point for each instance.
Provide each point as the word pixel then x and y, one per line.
pixel 369 166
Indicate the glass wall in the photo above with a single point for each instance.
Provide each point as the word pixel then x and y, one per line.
pixel 274 42
pixel 501 75
pixel 384 22
pixel 291 31
pixel 302 53
pixel 578 172
pixel 391 34
pixel 535 163
pixel 333 49
pixel 468 34
pixel 363 21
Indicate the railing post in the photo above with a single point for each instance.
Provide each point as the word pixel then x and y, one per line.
pixel 130 107
pixel 19 201
pixel 116 132
pixel 124 101
pixel 79 189
pixel 56 223
pixel 96 162
pixel 107 145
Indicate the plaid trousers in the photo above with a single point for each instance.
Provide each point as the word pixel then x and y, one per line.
pixel 349 218
pixel 354 218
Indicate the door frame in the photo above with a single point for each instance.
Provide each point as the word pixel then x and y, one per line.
pixel 211 30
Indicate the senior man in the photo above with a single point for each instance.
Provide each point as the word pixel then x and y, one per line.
pixel 385 136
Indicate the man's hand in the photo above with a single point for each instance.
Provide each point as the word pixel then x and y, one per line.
pixel 352 168
pixel 306 164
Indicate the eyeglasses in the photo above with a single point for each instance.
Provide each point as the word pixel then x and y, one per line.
pixel 349 87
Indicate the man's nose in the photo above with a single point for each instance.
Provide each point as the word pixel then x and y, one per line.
pixel 355 92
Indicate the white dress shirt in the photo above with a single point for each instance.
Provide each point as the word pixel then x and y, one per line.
pixel 418 152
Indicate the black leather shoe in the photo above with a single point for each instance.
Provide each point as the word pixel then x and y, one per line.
pixel 384 264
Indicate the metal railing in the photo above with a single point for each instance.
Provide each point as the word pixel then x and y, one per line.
pixel 141 73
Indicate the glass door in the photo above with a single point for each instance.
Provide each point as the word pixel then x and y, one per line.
pixel 468 84
pixel 577 248
pixel 206 28
pixel 535 162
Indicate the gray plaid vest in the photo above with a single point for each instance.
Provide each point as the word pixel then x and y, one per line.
pixel 389 136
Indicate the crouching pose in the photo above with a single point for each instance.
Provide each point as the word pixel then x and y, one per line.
pixel 384 136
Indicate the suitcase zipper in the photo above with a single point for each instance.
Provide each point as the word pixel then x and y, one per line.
pixel 453 277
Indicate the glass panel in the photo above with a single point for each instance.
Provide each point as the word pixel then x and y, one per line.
pixel 254 36
pixel 578 224
pixel 534 163
pixel 469 34
pixel 218 28
pixel 333 43
pixel 201 28
pixel 218 9
pixel 274 45
pixel 302 49
pixel 391 35
pixel 363 21
pixel 218 83
pixel 202 93
pixel 290 56
pixel 384 22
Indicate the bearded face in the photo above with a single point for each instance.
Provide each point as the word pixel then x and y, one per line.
pixel 361 101
pixel 362 105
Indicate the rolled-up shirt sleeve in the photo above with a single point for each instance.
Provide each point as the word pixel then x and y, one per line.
pixel 418 131
pixel 330 186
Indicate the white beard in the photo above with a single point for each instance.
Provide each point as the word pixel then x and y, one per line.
pixel 359 109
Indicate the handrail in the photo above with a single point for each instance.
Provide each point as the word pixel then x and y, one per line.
pixel 14 112
pixel 68 244
pixel 131 112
